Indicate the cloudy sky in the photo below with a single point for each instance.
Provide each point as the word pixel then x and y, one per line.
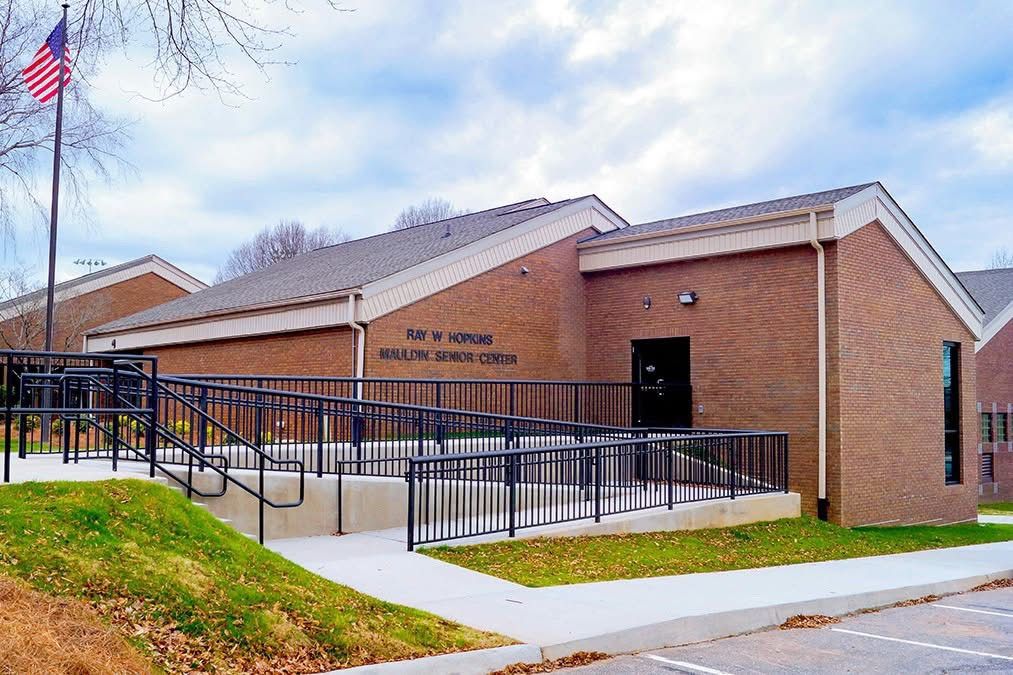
pixel 661 109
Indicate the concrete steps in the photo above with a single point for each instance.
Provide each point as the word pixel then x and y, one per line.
pixel 205 507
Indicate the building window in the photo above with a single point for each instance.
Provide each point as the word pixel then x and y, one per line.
pixel 951 411
pixel 1000 428
pixel 986 427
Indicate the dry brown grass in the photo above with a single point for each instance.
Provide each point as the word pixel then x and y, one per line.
pixel 40 634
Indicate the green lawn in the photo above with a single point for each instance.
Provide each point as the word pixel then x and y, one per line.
pixel 572 560
pixel 996 509
pixel 195 594
pixel 31 447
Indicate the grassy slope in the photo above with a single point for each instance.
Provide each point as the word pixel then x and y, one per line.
pixel 996 508
pixel 43 634
pixel 195 593
pixel 548 562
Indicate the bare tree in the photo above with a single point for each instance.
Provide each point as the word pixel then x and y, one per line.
pixel 428 211
pixel 90 139
pixel 285 240
pixel 1001 258
pixel 23 313
pixel 190 44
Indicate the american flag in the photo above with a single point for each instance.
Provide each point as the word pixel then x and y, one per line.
pixel 40 76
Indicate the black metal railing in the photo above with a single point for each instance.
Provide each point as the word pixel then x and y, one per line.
pixel 469 471
pixel 456 496
pixel 604 403
pixel 333 434
pixel 114 406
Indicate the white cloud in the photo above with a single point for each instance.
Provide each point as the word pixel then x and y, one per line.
pixel 658 107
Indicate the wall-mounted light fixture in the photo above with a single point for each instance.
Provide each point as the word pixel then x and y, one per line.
pixel 525 270
pixel 647 302
pixel 687 297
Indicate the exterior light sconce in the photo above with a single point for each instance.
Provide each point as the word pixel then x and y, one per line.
pixel 687 297
pixel 525 270
pixel 647 302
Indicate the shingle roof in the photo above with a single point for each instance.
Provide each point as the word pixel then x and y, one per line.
pixel 992 289
pixel 810 200
pixel 87 278
pixel 347 265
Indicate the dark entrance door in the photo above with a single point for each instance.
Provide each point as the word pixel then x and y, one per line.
pixel 662 396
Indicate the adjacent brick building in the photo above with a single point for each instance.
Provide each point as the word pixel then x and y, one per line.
pixel 732 304
pixel 993 289
pixel 91 300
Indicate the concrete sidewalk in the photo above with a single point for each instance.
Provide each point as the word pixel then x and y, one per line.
pixel 46 467
pixel 1001 520
pixel 640 614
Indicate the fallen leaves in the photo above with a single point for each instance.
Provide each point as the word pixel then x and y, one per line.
pixel 995 585
pixel 808 621
pixel 572 661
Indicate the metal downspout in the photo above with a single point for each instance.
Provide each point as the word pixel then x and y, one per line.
pixel 360 341
pixel 822 503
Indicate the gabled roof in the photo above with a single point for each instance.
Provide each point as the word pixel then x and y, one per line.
pixel 343 267
pixel 788 221
pixel 811 200
pixel 993 290
pixel 86 283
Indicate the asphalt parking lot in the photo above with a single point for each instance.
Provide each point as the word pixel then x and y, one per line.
pixel 972 632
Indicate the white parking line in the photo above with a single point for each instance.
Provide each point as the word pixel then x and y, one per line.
pixel 923 644
pixel 976 611
pixel 684 664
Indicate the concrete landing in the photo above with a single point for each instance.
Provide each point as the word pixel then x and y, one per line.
pixel 51 467
pixel 639 614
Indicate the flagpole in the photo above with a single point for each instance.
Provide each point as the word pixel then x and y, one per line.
pixel 53 213
pixel 55 207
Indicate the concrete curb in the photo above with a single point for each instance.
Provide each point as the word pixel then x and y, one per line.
pixel 478 662
pixel 700 628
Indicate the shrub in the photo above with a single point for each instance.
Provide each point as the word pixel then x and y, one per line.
pixel 179 427
pixel 30 422
pixel 129 423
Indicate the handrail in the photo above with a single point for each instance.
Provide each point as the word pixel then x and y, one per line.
pixel 610 443
pixel 426 409
pixel 141 415
pixel 431 380
pixel 221 427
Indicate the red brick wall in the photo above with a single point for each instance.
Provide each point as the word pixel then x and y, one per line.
pixel 317 352
pixel 994 364
pixel 83 312
pixel 537 317
pixel 890 332
pixel 752 340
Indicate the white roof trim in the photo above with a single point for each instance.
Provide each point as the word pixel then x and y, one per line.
pixel 114 275
pixel 432 276
pixel 384 295
pixel 291 319
pixel 993 327
pixel 716 239
pixel 875 203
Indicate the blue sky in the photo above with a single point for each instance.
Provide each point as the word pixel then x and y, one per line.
pixel 661 109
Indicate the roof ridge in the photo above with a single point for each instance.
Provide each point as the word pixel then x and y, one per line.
pixel 412 227
pixel 760 203
pixel 990 270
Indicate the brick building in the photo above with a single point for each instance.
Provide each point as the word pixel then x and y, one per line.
pixel 993 289
pixel 91 300
pixel 825 315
